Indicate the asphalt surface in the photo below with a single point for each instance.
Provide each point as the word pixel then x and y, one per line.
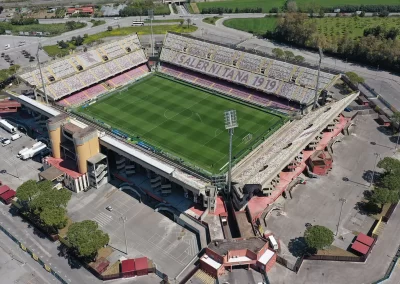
pixel 318 202
pixel 148 233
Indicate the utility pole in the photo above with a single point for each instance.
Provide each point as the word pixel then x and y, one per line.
pixel 343 200
pixel 373 172
pixel 124 219
pixel 151 16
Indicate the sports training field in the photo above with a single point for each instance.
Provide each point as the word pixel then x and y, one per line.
pixel 184 121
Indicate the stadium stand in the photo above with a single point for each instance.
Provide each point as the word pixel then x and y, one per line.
pixel 78 71
pixel 96 90
pixel 294 83
pixel 225 88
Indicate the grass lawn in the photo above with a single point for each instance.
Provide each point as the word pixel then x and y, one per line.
pixel 252 25
pixel 53 29
pixel 6 73
pixel 266 5
pixel 211 20
pixel 53 50
pixel 183 121
pixel 333 250
pixel 353 26
pixel 329 26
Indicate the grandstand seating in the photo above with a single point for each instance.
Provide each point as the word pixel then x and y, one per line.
pixel 242 93
pixel 83 69
pixel 92 92
pixel 291 82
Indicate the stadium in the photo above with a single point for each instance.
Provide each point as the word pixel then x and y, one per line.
pixel 164 120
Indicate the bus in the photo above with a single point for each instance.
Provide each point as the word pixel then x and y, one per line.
pixel 137 23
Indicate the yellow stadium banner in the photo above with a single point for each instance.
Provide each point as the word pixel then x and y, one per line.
pixel 23 247
pixel 48 268
pixel 35 257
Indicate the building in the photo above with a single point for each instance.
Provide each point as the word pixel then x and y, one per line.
pixel 222 255
pixel 321 162
pixel 88 10
pixel 76 152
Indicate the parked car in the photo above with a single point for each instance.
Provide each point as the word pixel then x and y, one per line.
pixel 5 142
pixel 7 46
pixel 109 208
pixel 16 136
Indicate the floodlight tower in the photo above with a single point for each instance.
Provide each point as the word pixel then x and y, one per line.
pixel 319 71
pixel 41 74
pixel 230 124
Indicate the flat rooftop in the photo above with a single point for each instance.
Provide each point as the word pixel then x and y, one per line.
pixel 223 246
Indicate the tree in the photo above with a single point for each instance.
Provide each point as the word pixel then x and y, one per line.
pixel 27 191
pixel 181 21
pixel 189 21
pixel 86 239
pixel 390 165
pixel 289 55
pixel 1 9
pixel 54 218
pixel 318 237
pixel 274 10
pixel 396 120
pixel 384 195
pixel 51 199
pixel 391 181
pixel 291 6
pixel 354 78
pixel 78 41
pixel 278 52
pixel 299 58
pixel 109 28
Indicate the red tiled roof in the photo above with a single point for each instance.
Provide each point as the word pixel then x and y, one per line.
pixel 366 240
pixel 8 194
pixel 141 263
pixel 360 247
pixel 64 166
pixel 3 189
pixel 128 265
pixel 87 9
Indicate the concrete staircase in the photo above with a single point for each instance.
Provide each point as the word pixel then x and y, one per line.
pixel 204 277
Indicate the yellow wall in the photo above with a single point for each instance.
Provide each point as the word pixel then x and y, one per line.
pixel 55 138
pixel 86 151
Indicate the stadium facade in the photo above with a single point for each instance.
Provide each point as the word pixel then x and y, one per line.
pixel 97 152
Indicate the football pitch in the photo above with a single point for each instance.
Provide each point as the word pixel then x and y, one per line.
pixel 184 121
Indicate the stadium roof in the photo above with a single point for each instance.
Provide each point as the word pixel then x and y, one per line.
pixel 138 154
pixel 292 82
pixel 47 110
pixel 265 163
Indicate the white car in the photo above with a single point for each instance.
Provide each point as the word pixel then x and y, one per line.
pixel 109 208
pixel 5 142
pixel 21 43
pixel 117 18
pixel 7 46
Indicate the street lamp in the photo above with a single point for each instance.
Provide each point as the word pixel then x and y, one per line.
pixel 124 219
pixel 230 124
pixel 343 200
pixel 373 172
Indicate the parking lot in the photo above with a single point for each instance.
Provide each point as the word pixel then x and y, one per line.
pixel 148 233
pixel 16 170
pixel 320 201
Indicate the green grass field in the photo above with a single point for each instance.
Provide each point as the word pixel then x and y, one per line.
pixel 266 5
pixel 181 120
pixel 329 26
pixel 252 25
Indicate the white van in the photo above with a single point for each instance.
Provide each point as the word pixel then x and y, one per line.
pixel 273 242
pixel 16 136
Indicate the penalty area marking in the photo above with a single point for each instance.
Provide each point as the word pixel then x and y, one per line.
pixel 174 114
pixel 217 132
